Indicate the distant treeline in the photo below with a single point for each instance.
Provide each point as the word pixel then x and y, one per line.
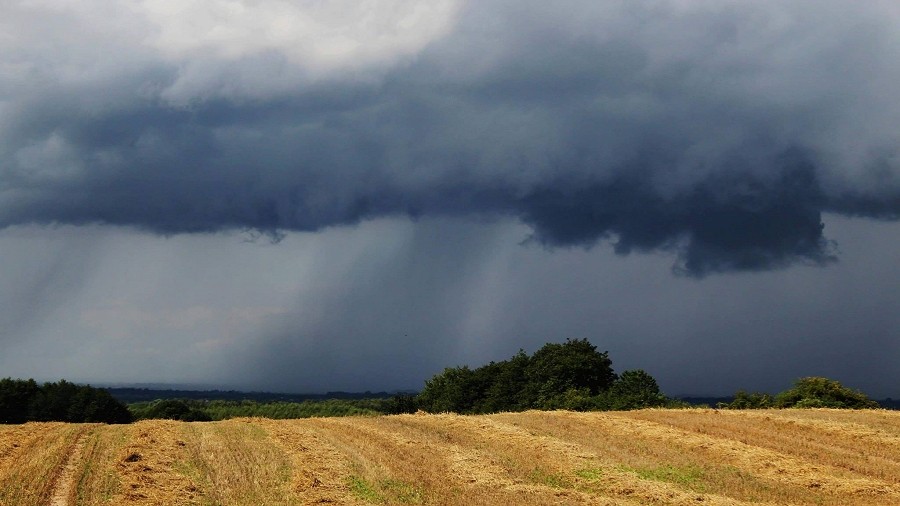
pixel 205 410
pixel 26 401
pixel 571 375
pixel 575 376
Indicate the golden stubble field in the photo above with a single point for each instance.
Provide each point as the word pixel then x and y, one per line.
pixel 639 457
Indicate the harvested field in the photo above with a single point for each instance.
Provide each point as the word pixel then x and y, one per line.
pixel 827 457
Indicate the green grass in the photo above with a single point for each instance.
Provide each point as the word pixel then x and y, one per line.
pixel 542 477
pixel 589 474
pixel 688 476
pixel 364 490
pixel 402 492
pixel 385 491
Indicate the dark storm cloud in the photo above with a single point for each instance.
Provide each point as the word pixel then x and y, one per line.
pixel 725 223
pixel 721 132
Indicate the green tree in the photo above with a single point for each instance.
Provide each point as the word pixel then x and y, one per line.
pixel 53 401
pixel 755 400
pixel 97 405
pixel 571 375
pixel 506 391
pixel 63 401
pixel 818 392
pixel 16 397
pixel 449 391
pixel 635 390
pixel 173 409
pixel 400 403
pixel 557 368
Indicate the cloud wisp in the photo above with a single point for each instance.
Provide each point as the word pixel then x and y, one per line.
pixel 720 131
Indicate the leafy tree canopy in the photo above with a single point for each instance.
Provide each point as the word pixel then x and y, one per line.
pixel 636 389
pixel 569 375
pixel 24 400
pixel 755 400
pixel 809 392
pixel 172 409
pixel 817 392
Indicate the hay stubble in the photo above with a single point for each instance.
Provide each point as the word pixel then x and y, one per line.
pixel 641 457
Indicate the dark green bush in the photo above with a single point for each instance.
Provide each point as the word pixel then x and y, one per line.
pixel 171 409
pixel 809 392
pixel 818 392
pixel 755 400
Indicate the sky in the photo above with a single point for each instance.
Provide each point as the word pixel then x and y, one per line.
pixel 342 195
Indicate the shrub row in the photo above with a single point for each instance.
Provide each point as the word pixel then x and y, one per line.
pixel 809 392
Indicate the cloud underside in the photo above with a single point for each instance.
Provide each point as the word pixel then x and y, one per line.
pixel 718 133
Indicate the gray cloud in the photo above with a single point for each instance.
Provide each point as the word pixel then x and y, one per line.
pixel 719 132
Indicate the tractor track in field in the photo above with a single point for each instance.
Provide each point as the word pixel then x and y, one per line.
pixel 65 480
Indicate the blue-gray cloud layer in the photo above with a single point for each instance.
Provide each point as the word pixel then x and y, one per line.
pixel 720 131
